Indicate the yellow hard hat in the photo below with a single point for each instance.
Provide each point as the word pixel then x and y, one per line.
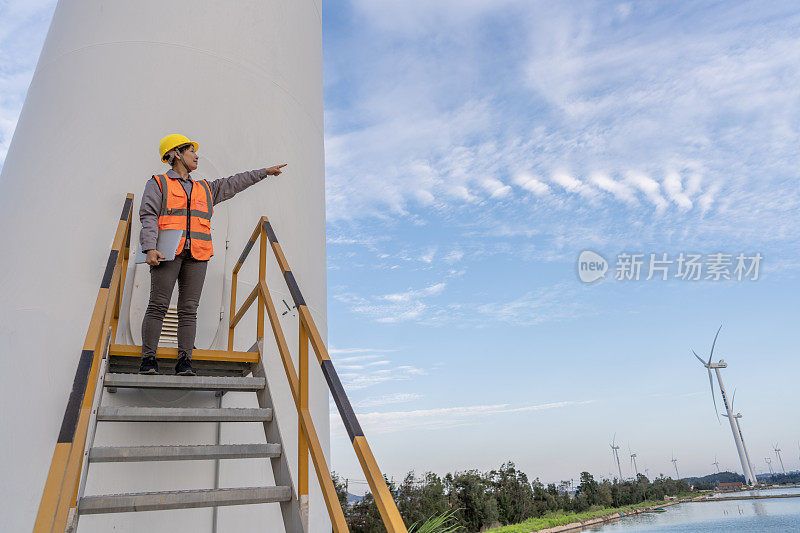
pixel 172 141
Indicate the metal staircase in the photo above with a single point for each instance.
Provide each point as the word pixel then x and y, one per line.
pixel 104 367
pixel 221 376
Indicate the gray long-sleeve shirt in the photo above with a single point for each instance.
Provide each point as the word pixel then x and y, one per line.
pixel 221 189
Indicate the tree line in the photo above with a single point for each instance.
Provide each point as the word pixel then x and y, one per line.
pixel 498 497
pixel 779 479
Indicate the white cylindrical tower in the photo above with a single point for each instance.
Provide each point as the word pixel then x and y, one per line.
pixel 244 79
pixel 749 476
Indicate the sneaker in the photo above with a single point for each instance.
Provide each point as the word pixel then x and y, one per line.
pixel 184 367
pixel 149 365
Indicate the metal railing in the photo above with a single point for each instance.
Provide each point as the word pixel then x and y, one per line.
pixel 308 441
pixel 59 497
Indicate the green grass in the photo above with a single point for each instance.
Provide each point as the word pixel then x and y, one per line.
pixel 554 519
pixel 441 523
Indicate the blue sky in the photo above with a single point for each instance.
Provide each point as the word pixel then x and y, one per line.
pixel 473 149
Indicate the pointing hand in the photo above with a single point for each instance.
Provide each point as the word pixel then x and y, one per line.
pixel 274 171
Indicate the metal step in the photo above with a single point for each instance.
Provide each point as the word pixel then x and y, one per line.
pixel 184 382
pixel 129 454
pixel 163 352
pixel 181 499
pixel 130 365
pixel 183 414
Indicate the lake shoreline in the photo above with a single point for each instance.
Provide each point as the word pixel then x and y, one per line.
pixel 616 516
pixel 748 497
pixel 576 526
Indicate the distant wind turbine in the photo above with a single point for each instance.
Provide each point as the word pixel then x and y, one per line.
pixel 675 464
pixel 769 462
pixel 633 460
pixel 716 463
pixel 747 467
pixel 615 451
pixel 778 453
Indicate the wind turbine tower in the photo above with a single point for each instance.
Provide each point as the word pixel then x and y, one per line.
pixel 769 463
pixel 747 467
pixel 633 460
pixel 737 418
pixel 778 453
pixel 675 464
pixel 247 86
pixel 615 451
pixel 716 463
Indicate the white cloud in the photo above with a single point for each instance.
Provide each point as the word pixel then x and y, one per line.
pixel 706 200
pixel 389 308
pixel 454 256
pixel 619 190
pixel 428 256
pixel 495 187
pixel 601 124
pixel 650 188
pixel 415 17
pixel 361 377
pixel 446 417
pixel 410 305
pixel 573 185
pixel 674 189
pixel 340 351
pixel 359 368
pixel 387 399
pixel 531 184
pixel 414 294
pixel 554 302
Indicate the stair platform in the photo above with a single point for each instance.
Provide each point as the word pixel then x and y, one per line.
pixel 183 414
pixel 130 454
pixel 181 499
pixel 125 359
pixel 208 383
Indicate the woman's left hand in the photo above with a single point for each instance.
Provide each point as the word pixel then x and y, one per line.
pixel 274 171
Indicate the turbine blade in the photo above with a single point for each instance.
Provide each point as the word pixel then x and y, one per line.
pixel 714 344
pixel 699 358
pixel 711 382
pixel 733 399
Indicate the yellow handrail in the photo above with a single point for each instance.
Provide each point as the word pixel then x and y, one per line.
pixel 61 488
pixel 308 441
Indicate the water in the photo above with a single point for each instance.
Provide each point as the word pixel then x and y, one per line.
pixel 764 492
pixel 756 516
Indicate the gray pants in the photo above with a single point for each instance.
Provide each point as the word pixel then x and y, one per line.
pixel 190 274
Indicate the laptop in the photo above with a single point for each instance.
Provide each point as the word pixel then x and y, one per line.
pixel 167 244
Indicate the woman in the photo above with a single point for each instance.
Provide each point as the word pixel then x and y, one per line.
pixel 176 201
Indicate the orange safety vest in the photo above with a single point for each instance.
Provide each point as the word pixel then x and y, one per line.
pixel 177 213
